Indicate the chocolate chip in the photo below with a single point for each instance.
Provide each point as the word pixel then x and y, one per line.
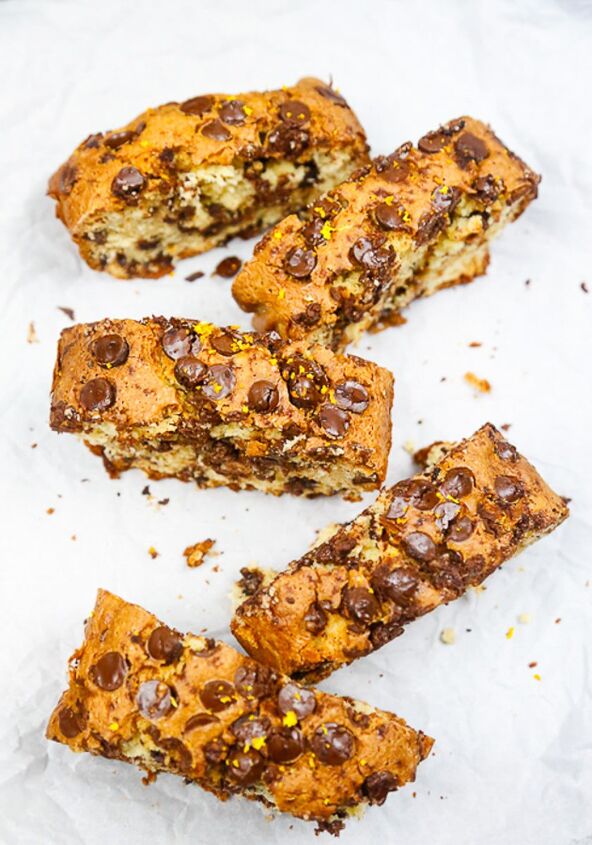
pixel 351 396
pixel 507 488
pixel 154 700
pixel 296 699
pixel 378 785
pixel 93 141
pixel 220 382
pixel 254 680
pixel 109 671
pixel 245 767
pixel 445 512
pixel 432 142
pixel 461 529
pixel 190 371
pixel 248 728
pixel 117 139
pixel 488 188
pixel 333 420
pixel 228 267
pixel 215 751
pixel 315 619
pixel 305 380
pixel 300 262
pixel 217 695
pixel 458 482
pixel 310 316
pixel 232 112
pixel 286 746
pixel 396 171
pixel 179 753
pixel 110 350
pixel 370 254
pixel 445 198
pixel 417 492
pixel 398 585
pixel 197 105
pixel 263 396
pixel 98 394
pixel 295 113
pixel 419 546
pixel 333 744
pixel 200 720
pixel 68 177
pixel 469 147
pixel 382 633
pixel 330 94
pixel 389 216
pixel 128 184
pixel 312 232
pixel 164 644
pixel 216 131
pixel 70 723
pixel 193 277
pixel 226 343
pixel 430 224
pixel 505 450
pixel 287 140
pixel 360 604
pixel 178 342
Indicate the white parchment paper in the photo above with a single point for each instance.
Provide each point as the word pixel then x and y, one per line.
pixel 513 758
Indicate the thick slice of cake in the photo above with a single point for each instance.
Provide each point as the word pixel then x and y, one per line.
pixel 185 177
pixel 421 544
pixel 142 692
pixel 406 226
pixel 220 407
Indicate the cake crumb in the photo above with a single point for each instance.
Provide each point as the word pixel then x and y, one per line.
pixel 448 636
pixel 474 344
pixel 510 633
pixel 196 553
pixel 524 618
pixel 152 552
pixel 409 447
pixel 480 384
pixel 50 511
pixel 32 334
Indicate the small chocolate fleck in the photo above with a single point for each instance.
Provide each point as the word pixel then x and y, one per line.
pixel 193 277
pixel 110 350
pixel 331 94
pixel 98 394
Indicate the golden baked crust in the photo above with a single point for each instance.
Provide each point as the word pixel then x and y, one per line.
pixel 144 693
pixel 422 544
pixel 220 407
pixel 410 224
pixel 185 177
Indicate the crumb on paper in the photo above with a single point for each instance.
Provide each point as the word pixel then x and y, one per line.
pixel 506 426
pixel 524 618
pixel 146 491
pixel 193 277
pixel 74 537
pixel 152 552
pixel 584 287
pixel 527 282
pixel 69 312
pixel 50 511
pixel 536 676
pixel 558 620
pixel 32 334
pixel 532 664
pixel 448 636
pixel 409 447
pixel 474 344
pixel 478 588
pixel 196 553
pixel 510 633
pixel 164 501
pixel 480 384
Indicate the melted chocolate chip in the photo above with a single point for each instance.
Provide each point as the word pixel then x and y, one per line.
pixel 430 224
pixel 216 131
pixel 398 585
pixel 197 105
pixel 417 492
pixel 93 141
pixel 333 744
pixel 248 728
pixel 110 350
pixel 200 720
pixel 445 512
pixel 164 644
pixel 285 746
pixel 217 695
pixel 370 254
pixel 382 633
pixel 228 267
pixel 263 396
pixel 432 142
pixel 254 681
pixel 117 139
pixel 154 700
pixel 226 343
pixel 128 184
pixel 215 751
pixel 70 723
pixel 389 216
pixel 68 177
pixel 300 262
pixel 109 671
pixel 394 171
pixel 294 112
pixel 488 188
pixel 360 604
pixel 419 546
pixel 245 767
pixel 288 140
pixel 232 112
pixel 315 619
pixel 445 198
pixel 98 394
pixel 469 147
pixel 305 380
pixel 297 699
pixel 461 529
pixel 190 371
pixel 220 382
pixel 333 420
pixel 458 482
pixel 505 450
pixel 507 488
pixel 351 396
pixel 312 232
pixel 378 785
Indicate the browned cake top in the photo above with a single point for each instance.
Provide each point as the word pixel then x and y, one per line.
pixel 172 374
pixel 422 543
pixel 296 278
pixel 139 689
pixel 119 168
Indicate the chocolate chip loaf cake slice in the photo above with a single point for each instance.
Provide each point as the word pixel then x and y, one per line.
pixel 220 407
pixel 185 177
pixel 144 693
pixel 422 544
pixel 406 226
